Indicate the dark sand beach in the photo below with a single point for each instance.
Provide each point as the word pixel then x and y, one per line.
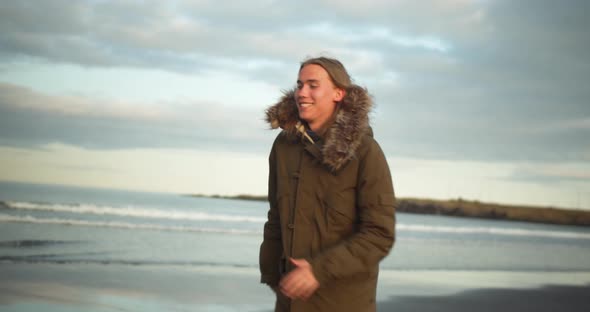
pixel 544 299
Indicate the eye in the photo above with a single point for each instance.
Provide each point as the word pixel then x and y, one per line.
pixel 313 86
pixel 299 86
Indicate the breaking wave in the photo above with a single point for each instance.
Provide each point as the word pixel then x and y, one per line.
pixel 135 212
pixel 121 225
pixel 491 231
pixel 131 212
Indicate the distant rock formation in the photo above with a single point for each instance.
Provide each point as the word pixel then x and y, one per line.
pixel 473 209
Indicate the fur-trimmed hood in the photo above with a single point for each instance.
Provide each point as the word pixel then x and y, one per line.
pixel 344 135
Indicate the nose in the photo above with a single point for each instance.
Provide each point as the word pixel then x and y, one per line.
pixel 302 92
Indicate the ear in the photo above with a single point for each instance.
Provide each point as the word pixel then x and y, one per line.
pixel 339 94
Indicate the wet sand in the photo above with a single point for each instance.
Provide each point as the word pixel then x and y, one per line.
pixel 544 299
pixel 98 288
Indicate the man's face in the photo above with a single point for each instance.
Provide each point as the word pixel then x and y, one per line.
pixel 316 96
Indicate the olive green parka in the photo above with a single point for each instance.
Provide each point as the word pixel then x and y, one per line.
pixel 331 203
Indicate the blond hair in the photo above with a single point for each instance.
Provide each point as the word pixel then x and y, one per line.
pixel 338 74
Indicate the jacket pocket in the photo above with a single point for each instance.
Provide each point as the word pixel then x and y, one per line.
pixel 341 208
pixel 340 214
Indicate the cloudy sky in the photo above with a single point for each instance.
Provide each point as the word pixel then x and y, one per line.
pixel 478 99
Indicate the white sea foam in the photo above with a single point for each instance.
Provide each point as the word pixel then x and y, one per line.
pixel 491 231
pixel 121 225
pixel 201 216
pixel 133 212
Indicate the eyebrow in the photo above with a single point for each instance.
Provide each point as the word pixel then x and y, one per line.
pixel 309 81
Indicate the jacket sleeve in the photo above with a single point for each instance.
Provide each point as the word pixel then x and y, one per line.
pixel 271 247
pixel 361 252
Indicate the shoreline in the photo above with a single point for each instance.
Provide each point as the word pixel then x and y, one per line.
pixel 94 287
pixel 468 209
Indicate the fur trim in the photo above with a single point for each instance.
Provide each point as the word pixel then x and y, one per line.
pixel 343 137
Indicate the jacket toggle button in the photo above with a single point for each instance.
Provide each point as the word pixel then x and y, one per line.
pixel 291 226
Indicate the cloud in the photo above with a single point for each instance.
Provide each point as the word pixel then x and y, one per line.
pixel 510 93
pixel 465 79
pixel 189 35
pixel 22 98
pixel 29 118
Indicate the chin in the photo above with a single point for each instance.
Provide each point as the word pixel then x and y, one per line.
pixel 303 117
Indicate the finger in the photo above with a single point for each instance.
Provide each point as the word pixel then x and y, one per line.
pixel 307 293
pixel 291 293
pixel 305 297
pixel 288 289
pixel 291 277
pixel 301 289
pixel 298 288
pixel 302 295
pixel 288 280
pixel 296 262
pixel 289 286
pixel 300 263
pixel 310 289
pixel 295 289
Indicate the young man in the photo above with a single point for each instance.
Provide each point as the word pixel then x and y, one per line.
pixel 331 217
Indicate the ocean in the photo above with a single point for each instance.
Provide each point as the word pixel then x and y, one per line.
pixel 74 231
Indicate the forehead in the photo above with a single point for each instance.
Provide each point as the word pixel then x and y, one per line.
pixel 313 72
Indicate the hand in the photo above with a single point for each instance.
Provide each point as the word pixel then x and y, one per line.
pixel 299 283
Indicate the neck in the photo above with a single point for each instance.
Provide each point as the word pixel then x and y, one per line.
pixel 318 128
